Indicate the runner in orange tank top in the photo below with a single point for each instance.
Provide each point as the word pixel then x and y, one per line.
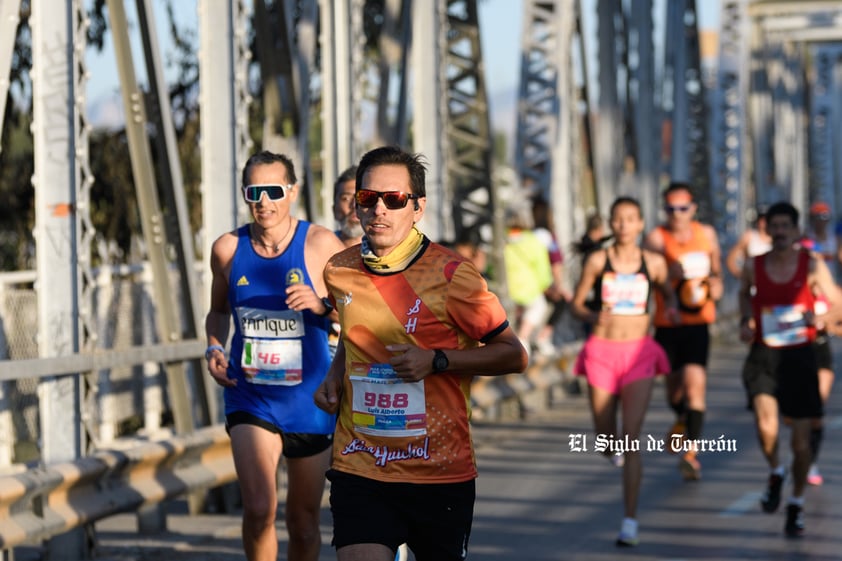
pixel 693 257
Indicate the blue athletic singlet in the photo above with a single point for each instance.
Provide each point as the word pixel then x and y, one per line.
pixel 286 350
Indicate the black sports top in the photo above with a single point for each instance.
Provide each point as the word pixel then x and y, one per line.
pixel 625 294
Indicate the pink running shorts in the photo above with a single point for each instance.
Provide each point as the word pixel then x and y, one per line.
pixel 611 365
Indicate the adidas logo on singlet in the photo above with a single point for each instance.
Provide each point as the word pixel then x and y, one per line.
pixel 243 281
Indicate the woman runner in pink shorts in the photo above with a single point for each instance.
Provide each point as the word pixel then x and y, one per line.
pixel 620 359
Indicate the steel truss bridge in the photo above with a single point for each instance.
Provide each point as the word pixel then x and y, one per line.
pixel 750 114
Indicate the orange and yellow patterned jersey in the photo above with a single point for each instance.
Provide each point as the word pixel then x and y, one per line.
pixel 391 430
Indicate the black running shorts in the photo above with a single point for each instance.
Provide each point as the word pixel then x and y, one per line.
pixel 434 520
pixel 823 352
pixel 788 374
pixel 685 344
pixel 295 444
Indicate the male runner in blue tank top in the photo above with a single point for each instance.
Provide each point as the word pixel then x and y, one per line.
pixel 267 275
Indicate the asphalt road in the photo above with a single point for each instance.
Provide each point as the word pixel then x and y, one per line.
pixel 538 499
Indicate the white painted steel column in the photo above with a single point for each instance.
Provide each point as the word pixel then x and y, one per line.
pixel 219 124
pixel 56 225
pixel 56 181
pixel 329 155
pixel 225 147
pixel 304 62
pixel 343 53
pixel 428 126
pixel 564 177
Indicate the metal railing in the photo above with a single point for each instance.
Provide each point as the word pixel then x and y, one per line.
pixel 44 502
pixel 40 502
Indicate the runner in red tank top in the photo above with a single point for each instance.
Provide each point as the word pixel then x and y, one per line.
pixel 777 303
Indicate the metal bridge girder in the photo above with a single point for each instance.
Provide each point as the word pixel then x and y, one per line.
pixel 729 135
pixel 152 219
pixel 539 100
pixel 468 127
pixel 759 104
pixel 546 122
pixel 689 129
pixel 467 156
pixel 607 139
pixel 824 120
pixel 645 118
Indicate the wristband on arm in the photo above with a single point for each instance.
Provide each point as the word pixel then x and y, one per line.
pixel 211 349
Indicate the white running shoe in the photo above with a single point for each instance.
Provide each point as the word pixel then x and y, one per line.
pixel 616 460
pixel 628 533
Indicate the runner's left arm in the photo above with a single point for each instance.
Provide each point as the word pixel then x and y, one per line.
pixel 717 288
pixel 657 266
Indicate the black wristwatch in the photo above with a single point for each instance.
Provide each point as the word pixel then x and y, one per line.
pixel 328 306
pixel 440 362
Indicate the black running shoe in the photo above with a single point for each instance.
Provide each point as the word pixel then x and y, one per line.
pixel 772 496
pixel 794 527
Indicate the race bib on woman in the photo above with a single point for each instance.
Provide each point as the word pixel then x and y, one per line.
pixel 625 294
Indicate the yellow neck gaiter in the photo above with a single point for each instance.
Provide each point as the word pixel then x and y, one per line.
pixel 399 258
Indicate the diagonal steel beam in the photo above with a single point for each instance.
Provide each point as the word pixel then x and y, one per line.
pixel 176 221
pixel 152 219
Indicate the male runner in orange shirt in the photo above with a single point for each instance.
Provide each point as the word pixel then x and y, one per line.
pixel 417 323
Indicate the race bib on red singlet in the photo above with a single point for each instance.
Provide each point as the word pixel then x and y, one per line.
pixel 784 326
